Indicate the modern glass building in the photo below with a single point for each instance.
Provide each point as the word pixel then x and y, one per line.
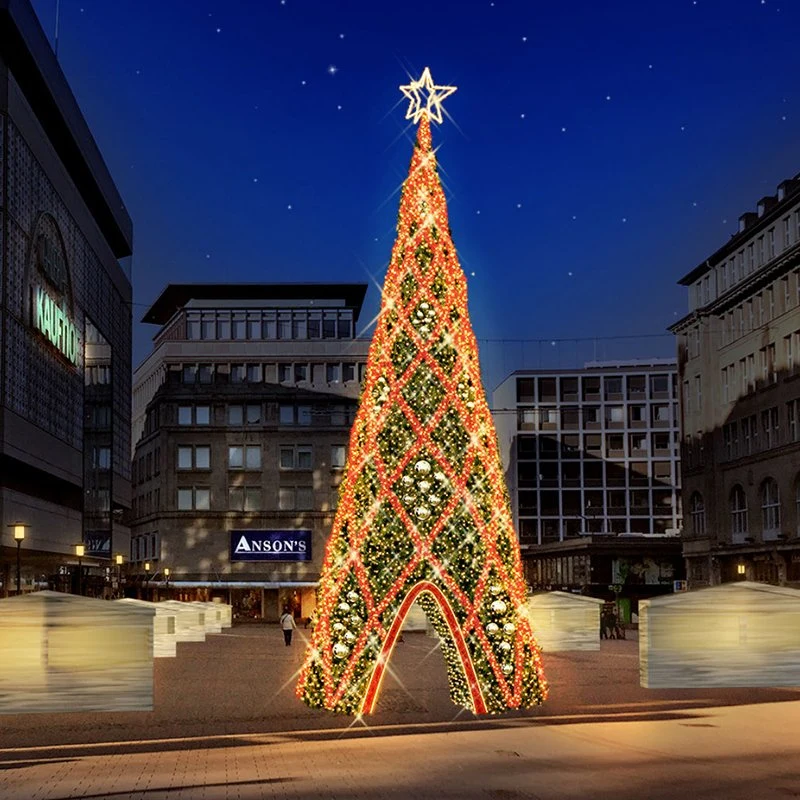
pixel 65 328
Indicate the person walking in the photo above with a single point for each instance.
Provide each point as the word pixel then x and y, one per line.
pixel 287 626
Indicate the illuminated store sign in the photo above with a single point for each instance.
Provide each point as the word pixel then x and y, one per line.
pixel 54 323
pixel 271 545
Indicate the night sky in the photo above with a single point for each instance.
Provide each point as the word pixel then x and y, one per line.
pixel 596 153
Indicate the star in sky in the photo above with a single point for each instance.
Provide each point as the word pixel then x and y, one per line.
pixel 436 94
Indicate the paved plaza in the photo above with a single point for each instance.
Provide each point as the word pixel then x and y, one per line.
pixel 227 725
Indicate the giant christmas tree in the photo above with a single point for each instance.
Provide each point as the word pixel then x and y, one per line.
pixel 423 509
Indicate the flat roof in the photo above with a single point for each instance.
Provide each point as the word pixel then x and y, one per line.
pixel 175 296
pixel 27 52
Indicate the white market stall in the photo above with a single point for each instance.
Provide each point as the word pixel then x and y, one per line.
pixel 190 621
pixel 165 639
pixel 564 621
pixel 211 617
pixel 63 652
pixel 736 634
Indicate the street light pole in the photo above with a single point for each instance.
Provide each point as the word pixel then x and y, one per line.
pixel 80 551
pixel 118 558
pixel 146 576
pixel 19 535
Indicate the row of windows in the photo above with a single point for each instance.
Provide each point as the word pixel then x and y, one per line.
pixel 248 457
pixel 146 466
pixel 754 255
pixel 543 530
pixel 756 312
pixel 567 418
pixel 528 447
pixel 596 504
pixel 770 502
pixel 253 414
pixel 260 325
pixel 590 387
pixel 593 473
pixel 758 432
pixel 145 547
pixel 257 373
pixel 250 498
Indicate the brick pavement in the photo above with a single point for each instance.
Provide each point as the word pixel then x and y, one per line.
pixel 242 682
pixel 736 753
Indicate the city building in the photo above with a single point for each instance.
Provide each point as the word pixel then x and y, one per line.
pixel 65 329
pixel 738 358
pixel 242 414
pixel 591 459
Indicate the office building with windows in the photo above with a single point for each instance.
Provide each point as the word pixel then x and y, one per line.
pixel 243 413
pixel 739 357
pixel 591 458
pixel 65 328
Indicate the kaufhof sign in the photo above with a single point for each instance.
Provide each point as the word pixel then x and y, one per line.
pixel 271 545
pixel 51 291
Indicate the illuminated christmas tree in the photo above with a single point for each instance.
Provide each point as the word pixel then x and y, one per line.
pixel 423 508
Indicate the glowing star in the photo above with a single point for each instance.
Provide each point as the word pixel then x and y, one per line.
pixel 436 94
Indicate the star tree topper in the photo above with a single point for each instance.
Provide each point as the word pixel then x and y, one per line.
pixel 436 94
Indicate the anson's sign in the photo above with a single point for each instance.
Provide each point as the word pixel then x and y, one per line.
pixel 271 545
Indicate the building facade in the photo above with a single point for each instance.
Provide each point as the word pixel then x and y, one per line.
pixel 65 327
pixel 738 354
pixel 592 466
pixel 243 412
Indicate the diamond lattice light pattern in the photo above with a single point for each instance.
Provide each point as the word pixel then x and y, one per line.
pixel 423 508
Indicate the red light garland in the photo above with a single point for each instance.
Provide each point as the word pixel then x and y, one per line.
pixel 424 511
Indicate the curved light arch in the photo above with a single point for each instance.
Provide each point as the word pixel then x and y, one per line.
pixel 376 679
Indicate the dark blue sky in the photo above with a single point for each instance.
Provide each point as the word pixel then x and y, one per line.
pixel 648 128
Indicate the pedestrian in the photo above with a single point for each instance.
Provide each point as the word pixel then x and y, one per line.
pixel 287 626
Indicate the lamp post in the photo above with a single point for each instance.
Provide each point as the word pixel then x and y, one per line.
pixel 80 551
pixel 118 559
pixel 19 535
pixel 146 576
pixel 166 578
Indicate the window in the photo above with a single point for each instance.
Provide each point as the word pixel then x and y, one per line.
pixel 792 415
pixel 770 301
pixel 613 386
pixel 244 498
pixel 184 415
pixel 235 457
pixel 786 292
pixel 194 457
pixel 224 326
pixel 101 458
pixel 194 499
pixel 253 413
pixel 209 328
pixel 787 232
pixel 237 373
pixel 285 325
pixel 329 325
pixel 738 506
pixel 333 373
pixel 192 326
pixel 659 384
pixel 206 373
pixel 300 372
pixel 661 413
pixel 788 351
pixel 239 326
pixel 305 498
pixel 299 325
pixel 698 392
pixel 303 415
pixel 235 415
pixel 189 373
pixel 314 326
pixel 724 384
pixel 296 457
pixel 286 415
pixel 615 414
pixel 687 399
pixel 771 241
pixel 255 373
pixel 202 415
pixel 769 426
pixel 270 325
pixel 349 372
pixel 770 506
pixel 751 257
pixel 526 419
pixel 338 456
pixel 284 373
pixel 697 514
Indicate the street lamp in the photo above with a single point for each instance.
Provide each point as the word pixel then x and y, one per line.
pixel 740 568
pixel 19 535
pixel 80 551
pixel 118 559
